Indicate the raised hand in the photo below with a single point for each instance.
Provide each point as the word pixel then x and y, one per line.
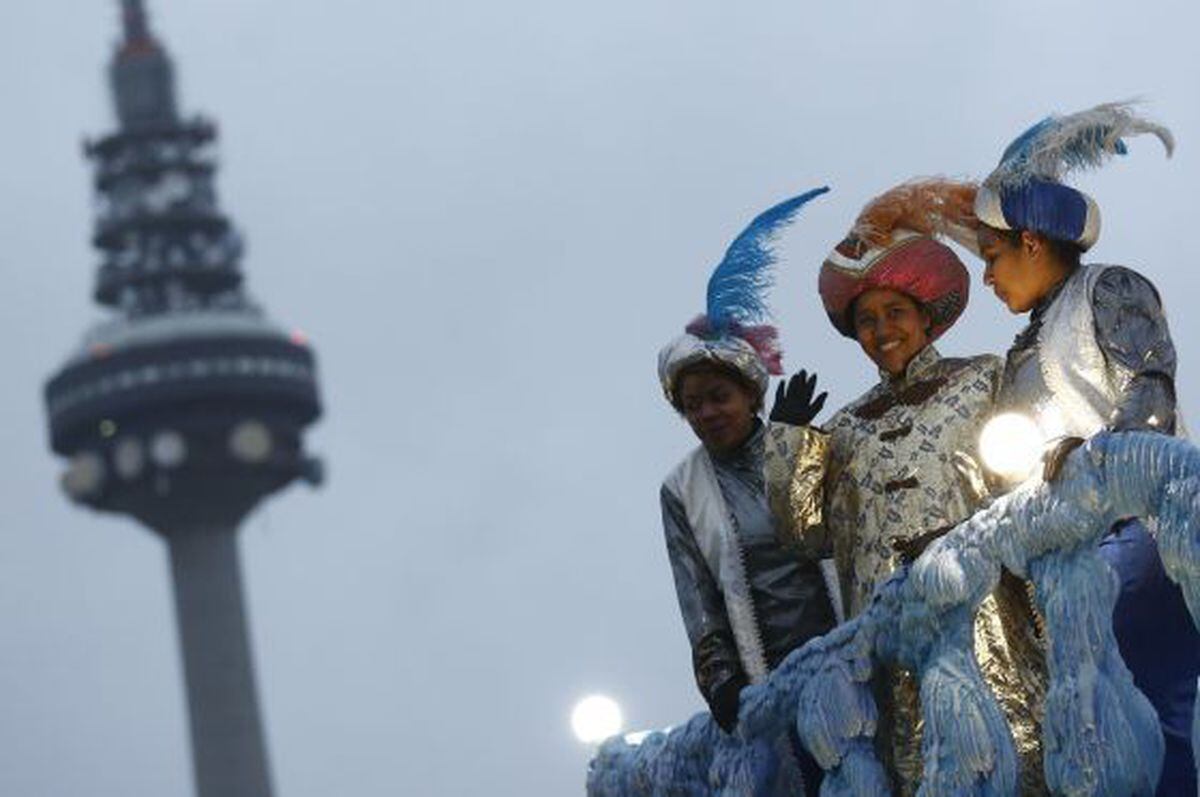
pixel 794 400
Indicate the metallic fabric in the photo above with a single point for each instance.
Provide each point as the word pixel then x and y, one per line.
pixel 687 350
pixel 694 485
pixel 1131 329
pixel 1097 354
pixel 795 461
pixel 902 461
pixel 787 592
pixel 898 739
pixel 892 464
pixel 1011 651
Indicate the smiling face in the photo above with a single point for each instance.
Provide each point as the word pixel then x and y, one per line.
pixel 891 328
pixel 719 407
pixel 1020 269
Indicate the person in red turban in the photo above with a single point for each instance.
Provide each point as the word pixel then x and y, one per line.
pixel 900 463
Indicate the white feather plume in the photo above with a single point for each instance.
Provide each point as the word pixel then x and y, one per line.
pixel 1058 145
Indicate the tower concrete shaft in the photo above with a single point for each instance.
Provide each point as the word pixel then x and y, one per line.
pixel 229 753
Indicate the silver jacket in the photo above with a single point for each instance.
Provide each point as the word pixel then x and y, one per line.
pixel 789 601
pixel 1097 354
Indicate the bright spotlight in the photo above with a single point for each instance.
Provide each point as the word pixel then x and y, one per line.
pixel 1011 445
pixel 595 718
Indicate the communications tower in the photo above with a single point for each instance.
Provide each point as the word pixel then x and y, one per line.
pixel 187 407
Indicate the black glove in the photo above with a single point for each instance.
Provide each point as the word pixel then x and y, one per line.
pixel 724 703
pixel 912 548
pixel 1054 458
pixel 794 402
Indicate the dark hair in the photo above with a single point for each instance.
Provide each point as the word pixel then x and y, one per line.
pixel 1068 253
pixel 722 369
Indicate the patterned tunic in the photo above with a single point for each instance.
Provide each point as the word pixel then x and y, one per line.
pixel 903 461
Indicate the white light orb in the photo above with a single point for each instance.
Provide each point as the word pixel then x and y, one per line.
pixel 596 718
pixel 1011 445
pixel 250 441
pixel 129 457
pixel 84 476
pixel 168 449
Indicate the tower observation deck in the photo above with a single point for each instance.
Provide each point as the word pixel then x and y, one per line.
pixel 188 406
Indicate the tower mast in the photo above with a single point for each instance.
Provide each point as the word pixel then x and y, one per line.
pixel 187 406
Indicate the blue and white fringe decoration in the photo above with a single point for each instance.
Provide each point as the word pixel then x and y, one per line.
pixel 1101 736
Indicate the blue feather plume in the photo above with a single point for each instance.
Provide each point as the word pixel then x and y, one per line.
pixel 1058 145
pixel 738 286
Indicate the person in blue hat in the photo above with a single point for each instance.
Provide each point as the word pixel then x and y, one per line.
pixel 1096 355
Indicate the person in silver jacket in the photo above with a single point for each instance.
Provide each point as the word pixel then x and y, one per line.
pixel 746 600
pixel 787 599
pixel 1097 355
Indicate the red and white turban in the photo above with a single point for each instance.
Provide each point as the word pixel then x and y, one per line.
pixel 893 245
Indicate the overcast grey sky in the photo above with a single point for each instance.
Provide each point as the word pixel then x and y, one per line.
pixel 488 217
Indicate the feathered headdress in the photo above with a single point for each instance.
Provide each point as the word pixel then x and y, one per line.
pixel 1059 145
pixel 735 328
pixel 737 289
pixel 1026 191
pixel 893 244
pixel 926 206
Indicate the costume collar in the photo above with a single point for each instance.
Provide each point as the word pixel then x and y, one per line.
pixel 921 363
pixel 1028 336
pixel 1043 305
pixel 749 453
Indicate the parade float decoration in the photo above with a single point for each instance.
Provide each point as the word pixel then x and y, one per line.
pixel 1101 736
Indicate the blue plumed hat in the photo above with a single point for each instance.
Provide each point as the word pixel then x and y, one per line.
pixel 1026 191
pixel 734 331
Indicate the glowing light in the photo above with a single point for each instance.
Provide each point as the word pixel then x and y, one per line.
pixel 596 718
pixel 298 337
pixel 168 449
pixel 85 476
pixel 1050 421
pixel 129 458
pixel 1011 445
pixel 250 441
